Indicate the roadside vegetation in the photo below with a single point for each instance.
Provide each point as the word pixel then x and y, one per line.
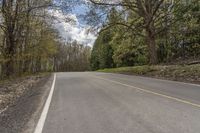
pixel 124 39
pixel 186 73
pixel 31 48
pixel 29 44
pixel 147 37
pixel 129 33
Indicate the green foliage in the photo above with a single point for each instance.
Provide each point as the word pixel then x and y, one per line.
pixel 129 55
pixel 101 56
pixel 181 38
pixel 29 44
pixel 177 36
pixel 138 70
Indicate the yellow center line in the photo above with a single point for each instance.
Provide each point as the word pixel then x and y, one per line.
pixel 152 92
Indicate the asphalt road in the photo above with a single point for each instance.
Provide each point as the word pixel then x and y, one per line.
pixel 113 103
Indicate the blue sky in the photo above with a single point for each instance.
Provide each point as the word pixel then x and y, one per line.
pixel 80 10
pixel 73 31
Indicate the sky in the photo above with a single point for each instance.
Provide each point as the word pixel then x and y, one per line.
pixel 75 30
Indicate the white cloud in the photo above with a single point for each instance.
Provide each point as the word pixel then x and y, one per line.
pixel 70 29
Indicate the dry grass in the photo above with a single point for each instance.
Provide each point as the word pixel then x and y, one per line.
pixel 188 73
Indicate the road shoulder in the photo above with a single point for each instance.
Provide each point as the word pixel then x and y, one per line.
pixel 23 115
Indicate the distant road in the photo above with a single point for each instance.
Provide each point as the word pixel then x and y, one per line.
pixel 90 102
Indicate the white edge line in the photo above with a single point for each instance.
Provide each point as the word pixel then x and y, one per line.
pixel 43 116
pixel 152 92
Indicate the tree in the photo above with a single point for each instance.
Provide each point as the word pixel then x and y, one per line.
pixel 148 16
pixel 28 43
pixel 72 56
pixel 101 56
pixel 157 26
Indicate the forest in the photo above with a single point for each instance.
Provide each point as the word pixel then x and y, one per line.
pixel 29 44
pixel 129 33
pixel 146 32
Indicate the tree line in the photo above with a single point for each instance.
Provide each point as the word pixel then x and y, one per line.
pixel 138 32
pixel 132 32
pixel 72 56
pixel 29 44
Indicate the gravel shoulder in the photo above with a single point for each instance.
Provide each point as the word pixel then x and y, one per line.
pixel 21 102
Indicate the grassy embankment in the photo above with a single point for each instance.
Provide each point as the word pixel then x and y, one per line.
pixel 187 73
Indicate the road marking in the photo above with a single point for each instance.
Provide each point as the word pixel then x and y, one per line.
pixel 153 78
pixel 43 116
pixel 151 92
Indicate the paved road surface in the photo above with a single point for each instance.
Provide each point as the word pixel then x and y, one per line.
pixel 113 103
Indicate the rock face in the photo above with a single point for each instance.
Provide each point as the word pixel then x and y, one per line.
pixel 19 101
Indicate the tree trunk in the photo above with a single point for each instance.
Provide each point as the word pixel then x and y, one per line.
pixel 151 42
pixel 10 52
pixel 9 14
